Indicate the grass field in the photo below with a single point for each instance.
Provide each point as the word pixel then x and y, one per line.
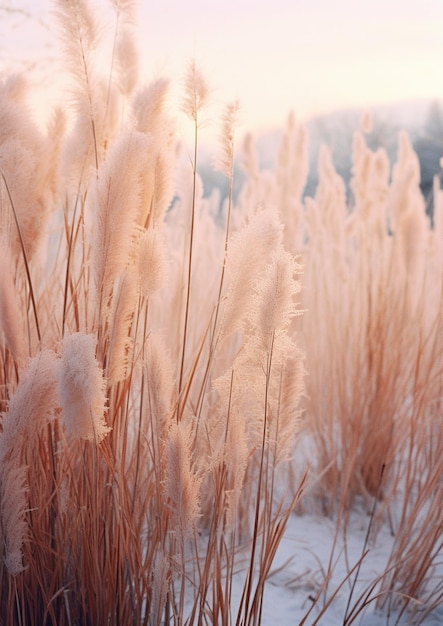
pixel 180 381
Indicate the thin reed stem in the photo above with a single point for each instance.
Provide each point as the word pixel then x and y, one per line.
pixel 25 258
pixel 180 406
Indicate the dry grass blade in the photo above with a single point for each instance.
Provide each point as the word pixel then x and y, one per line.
pixel 25 259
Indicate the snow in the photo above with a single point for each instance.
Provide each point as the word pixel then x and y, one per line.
pixel 301 564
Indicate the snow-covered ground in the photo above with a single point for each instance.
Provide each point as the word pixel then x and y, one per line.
pixel 301 563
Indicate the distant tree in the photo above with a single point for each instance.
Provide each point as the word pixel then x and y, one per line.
pixel 429 149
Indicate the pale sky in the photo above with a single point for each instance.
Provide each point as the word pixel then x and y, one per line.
pixel 310 56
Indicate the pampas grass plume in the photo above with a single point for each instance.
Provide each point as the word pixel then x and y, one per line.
pixel 24 164
pixel 182 485
pixel 127 61
pixel 250 161
pixel 122 313
pixel 412 231
pixel 289 412
pixel 150 116
pixel 248 252
pixel 81 387
pixel 79 32
pixel 148 106
pixel 196 91
pixel 159 371
pixel 152 261
pixel 115 207
pixel 33 403
pixel 13 527
pixel 126 52
pixel 275 297
pixel 236 460
pixel 161 574
pixel 225 160
pixel 32 406
pixel 13 506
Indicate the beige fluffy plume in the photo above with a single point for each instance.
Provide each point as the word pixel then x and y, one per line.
pixel 30 409
pixel 82 389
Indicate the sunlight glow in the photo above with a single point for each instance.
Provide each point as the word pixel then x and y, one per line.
pixel 311 57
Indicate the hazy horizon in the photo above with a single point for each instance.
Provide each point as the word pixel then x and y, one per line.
pixel 312 58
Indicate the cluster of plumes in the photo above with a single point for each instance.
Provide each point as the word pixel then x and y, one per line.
pixel 155 405
pixel 379 286
pixel 70 387
pixel 99 353
pixel 373 285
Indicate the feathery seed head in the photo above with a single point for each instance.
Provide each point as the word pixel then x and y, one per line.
pixel 82 389
pixel 196 91
pixel 225 160
pixel 34 402
pixel 248 252
pixel 152 261
pixel 182 483
pixel 275 295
